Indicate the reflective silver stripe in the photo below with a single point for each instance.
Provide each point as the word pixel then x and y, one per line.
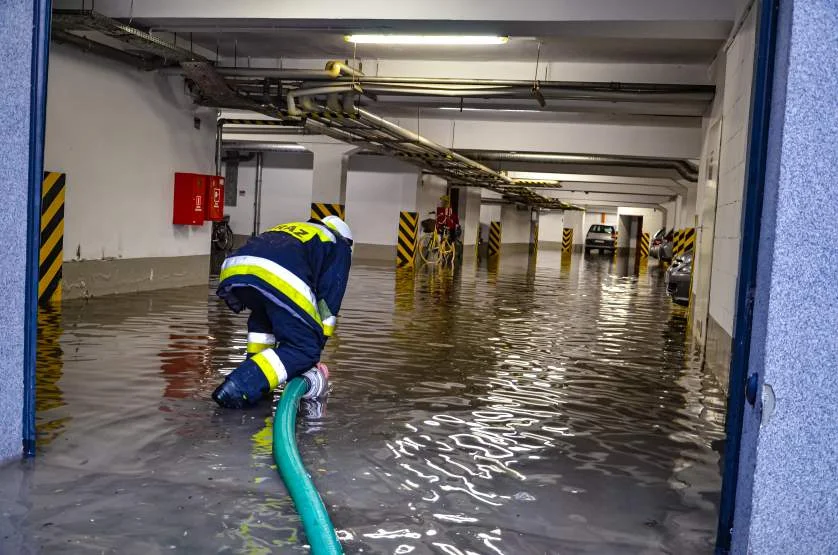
pixel 329 233
pixel 329 325
pixel 283 274
pixel 261 338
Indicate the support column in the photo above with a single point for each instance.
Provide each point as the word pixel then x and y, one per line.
pixel 328 188
pixel 24 41
pixel 787 495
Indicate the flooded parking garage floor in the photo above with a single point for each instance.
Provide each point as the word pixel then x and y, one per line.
pixel 525 409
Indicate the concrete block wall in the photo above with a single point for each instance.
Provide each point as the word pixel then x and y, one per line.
pixel 120 135
pixel 735 113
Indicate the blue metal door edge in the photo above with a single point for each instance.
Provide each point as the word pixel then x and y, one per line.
pixel 752 211
pixel 42 14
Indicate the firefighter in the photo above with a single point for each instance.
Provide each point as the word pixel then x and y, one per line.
pixel 292 278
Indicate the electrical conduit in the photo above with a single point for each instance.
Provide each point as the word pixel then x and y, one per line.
pixel 316 522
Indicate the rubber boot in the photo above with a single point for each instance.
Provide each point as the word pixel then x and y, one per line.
pixel 244 387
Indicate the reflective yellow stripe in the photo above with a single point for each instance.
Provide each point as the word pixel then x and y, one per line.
pixel 258 347
pixel 253 266
pixel 271 367
pixel 329 326
pixel 305 231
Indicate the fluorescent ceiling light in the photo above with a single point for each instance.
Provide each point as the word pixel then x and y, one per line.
pixel 427 40
pixel 466 109
pixel 537 176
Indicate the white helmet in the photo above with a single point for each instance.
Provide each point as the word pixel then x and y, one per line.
pixel 336 224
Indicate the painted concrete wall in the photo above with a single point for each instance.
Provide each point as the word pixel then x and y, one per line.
pixel 470 208
pixel 575 219
pixel 15 77
pixel 377 189
pixel 788 487
pixel 551 229
pixel 735 114
pixel 515 225
pixel 286 191
pixel 120 135
pixel 652 218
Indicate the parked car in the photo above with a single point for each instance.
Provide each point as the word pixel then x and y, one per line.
pixel 678 278
pixel 602 238
pixel 667 243
pixel 656 241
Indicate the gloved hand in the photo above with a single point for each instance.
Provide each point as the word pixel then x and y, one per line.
pixel 318 381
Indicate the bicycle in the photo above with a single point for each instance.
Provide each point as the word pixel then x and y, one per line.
pixel 436 248
pixel 222 234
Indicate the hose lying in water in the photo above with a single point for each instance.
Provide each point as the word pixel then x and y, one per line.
pixel 316 522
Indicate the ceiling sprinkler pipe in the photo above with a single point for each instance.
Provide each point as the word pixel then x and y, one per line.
pixel 335 69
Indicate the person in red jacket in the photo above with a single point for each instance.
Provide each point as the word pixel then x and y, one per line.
pixel 447 221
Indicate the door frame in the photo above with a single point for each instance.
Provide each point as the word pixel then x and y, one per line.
pixel 752 204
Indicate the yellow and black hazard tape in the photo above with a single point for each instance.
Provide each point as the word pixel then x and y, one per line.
pixel 270 122
pixel 406 243
pixel 567 239
pixel 52 238
pixel 494 238
pixel 320 210
pixel 644 244
pixel 684 241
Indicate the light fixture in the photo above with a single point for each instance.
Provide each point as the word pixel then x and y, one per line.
pixel 468 109
pixel 536 176
pixel 427 40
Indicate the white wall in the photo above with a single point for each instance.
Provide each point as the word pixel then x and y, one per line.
pixel 377 189
pixel 469 213
pixel 431 188
pixel 551 227
pixel 671 214
pixel 575 219
pixel 652 218
pixel 735 114
pixel 286 191
pixel 515 225
pixel 120 135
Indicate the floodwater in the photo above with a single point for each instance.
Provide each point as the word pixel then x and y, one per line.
pixel 529 408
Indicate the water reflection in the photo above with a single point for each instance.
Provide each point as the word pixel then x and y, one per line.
pixel 537 405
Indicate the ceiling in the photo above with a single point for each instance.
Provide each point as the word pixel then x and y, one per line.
pixel 301 43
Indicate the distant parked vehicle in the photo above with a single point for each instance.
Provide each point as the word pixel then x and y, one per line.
pixel 602 238
pixel 656 242
pixel 678 277
pixel 667 243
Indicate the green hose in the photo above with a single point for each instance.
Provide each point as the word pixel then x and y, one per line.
pixel 316 522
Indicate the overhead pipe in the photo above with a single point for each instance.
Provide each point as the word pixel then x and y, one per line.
pixel 257 201
pixel 685 169
pixel 336 69
pixel 258 146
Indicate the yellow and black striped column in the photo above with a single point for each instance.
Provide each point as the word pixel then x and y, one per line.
pixel 644 245
pixel 320 210
pixel 52 238
pixel 567 239
pixel 684 241
pixel 406 244
pixel 494 238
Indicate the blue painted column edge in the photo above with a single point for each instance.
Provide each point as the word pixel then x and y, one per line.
pixel 42 14
pixel 752 205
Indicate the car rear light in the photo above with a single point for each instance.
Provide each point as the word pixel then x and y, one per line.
pixel 656 242
pixel 614 235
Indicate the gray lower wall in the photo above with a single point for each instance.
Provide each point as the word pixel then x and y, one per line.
pixel 95 278
pixel 15 78
pixel 374 252
pixel 717 352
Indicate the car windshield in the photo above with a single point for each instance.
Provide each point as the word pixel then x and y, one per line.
pixel 659 234
pixel 601 229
